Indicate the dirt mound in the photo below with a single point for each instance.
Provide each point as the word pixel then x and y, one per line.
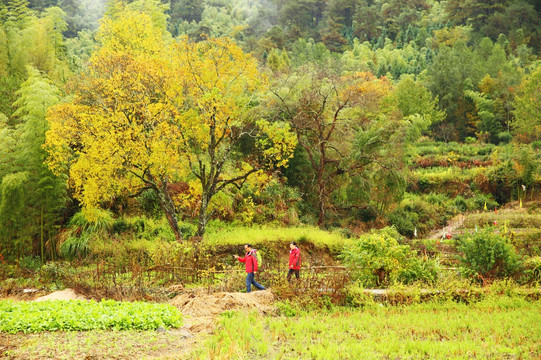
pixel 201 305
pixel 67 294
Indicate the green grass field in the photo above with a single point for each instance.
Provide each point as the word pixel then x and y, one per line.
pixel 505 328
pixel 265 234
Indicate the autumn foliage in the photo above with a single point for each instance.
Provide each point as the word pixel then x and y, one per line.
pixel 151 111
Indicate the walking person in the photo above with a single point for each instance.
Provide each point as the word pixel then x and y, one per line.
pixel 250 263
pixel 294 261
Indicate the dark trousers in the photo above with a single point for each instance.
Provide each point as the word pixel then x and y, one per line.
pixel 250 280
pixel 291 272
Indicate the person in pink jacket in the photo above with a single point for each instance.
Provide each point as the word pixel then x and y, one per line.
pixel 294 260
pixel 250 264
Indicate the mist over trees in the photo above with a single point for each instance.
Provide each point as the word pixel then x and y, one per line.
pixel 316 127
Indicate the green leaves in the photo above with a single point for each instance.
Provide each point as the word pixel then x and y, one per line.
pixel 487 255
pixel 488 122
pixel 12 219
pixel 377 257
pixel 40 193
pixel 527 123
pixel 77 315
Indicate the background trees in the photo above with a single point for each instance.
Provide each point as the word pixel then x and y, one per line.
pixel 32 195
pixel 316 105
pixel 345 125
pixel 120 125
pixel 148 113
pixel 527 123
pixel 156 105
pixel 222 84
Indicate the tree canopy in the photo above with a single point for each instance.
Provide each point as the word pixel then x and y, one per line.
pixel 253 110
pixel 149 112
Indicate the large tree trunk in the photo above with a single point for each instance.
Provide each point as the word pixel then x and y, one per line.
pixel 168 208
pixel 321 188
pixel 321 201
pixel 203 218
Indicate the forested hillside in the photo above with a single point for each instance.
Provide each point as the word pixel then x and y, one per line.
pixel 349 114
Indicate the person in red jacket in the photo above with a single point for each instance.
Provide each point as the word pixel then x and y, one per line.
pixel 294 260
pixel 250 263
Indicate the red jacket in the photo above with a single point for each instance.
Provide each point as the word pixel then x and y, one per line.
pixel 295 259
pixel 250 261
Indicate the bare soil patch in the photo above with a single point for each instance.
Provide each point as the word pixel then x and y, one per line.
pixel 67 294
pixel 204 305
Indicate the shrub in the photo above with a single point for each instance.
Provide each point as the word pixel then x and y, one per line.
pixel 84 226
pixel 357 297
pixel 377 259
pixel 288 308
pixel 461 204
pixel 403 221
pixel 423 269
pixel 346 233
pixel 505 137
pixel 32 263
pixel 501 180
pixel 425 246
pixel 150 204
pixel 527 242
pixel 187 230
pixel 76 246
pixel 366 214
pixel 421 212
pixel 120 226
pixel 478 201
pixel 53 273
pixel 487 255
pixel 92 220
pixel 151 229
pixel 532 270
pixel 486 149
pixel 513 166
pixel 437 199
pixel 424 183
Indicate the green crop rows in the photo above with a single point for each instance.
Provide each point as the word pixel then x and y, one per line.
pixel 29 317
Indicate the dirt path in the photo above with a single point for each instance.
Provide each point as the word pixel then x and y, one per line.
pixel 455 223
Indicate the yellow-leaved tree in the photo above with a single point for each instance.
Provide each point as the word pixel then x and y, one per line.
pixel 150 111
pixel 222 86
